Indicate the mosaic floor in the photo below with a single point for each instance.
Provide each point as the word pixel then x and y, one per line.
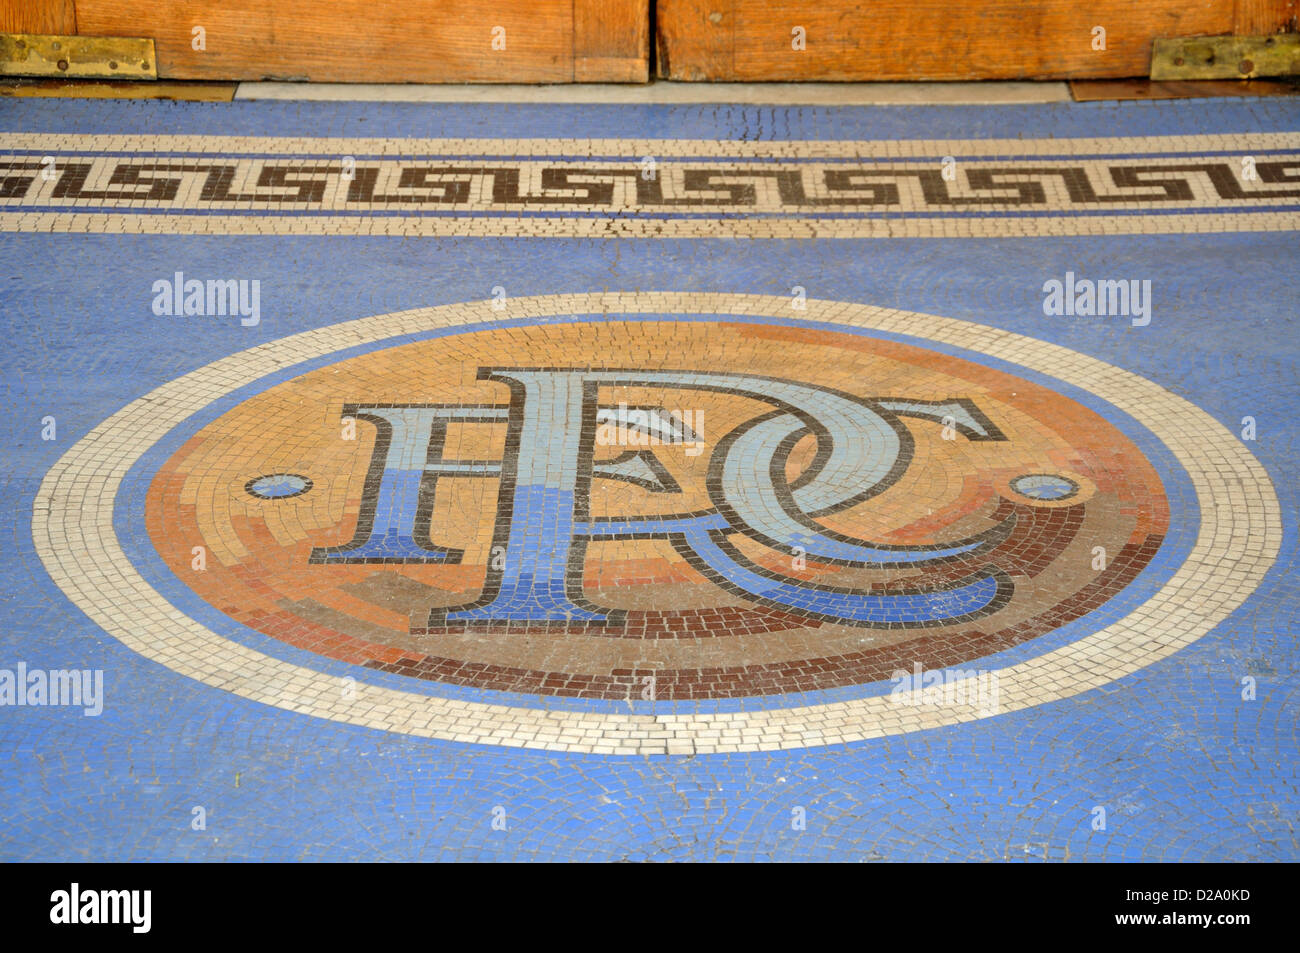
pixel 492 482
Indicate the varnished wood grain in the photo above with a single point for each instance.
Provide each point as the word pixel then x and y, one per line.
pixel 750 40
pixel 1254 17
pixel 417 41
pixel 611 41
pixel 38 16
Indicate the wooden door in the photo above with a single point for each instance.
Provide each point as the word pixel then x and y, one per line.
pixel 563 41
pixel 373 41
pixel 762 40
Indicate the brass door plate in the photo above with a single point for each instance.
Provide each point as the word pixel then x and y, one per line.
pixel 1226 57
pixel 77 57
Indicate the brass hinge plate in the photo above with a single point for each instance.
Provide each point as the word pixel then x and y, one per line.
pixel 1226 57
pixel 77 57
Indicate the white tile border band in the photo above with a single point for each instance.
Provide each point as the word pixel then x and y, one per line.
pixel 666 147
pixel 666 93
pixel 72 527
pixel 744 226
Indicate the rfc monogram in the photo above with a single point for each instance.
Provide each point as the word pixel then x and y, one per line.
pixel 544 527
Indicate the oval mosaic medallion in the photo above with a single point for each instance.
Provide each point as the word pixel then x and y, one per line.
pixel 730 509
pixel 655 522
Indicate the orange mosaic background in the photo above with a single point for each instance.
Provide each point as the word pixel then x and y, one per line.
pixel 257 569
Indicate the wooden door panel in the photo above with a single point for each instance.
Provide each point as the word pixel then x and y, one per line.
pixel 373 41
pixel 38 16
pixel 752 40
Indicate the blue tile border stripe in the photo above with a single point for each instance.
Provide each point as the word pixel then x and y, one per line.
pixel 715 121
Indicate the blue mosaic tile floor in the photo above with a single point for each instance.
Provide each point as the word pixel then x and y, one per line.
pixel 1155 723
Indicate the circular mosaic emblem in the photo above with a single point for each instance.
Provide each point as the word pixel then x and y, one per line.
pixel 732 509
pixel 654 500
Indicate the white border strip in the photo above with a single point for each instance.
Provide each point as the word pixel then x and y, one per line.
pixel 663 92
pixel 637 148
pixel 754 226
